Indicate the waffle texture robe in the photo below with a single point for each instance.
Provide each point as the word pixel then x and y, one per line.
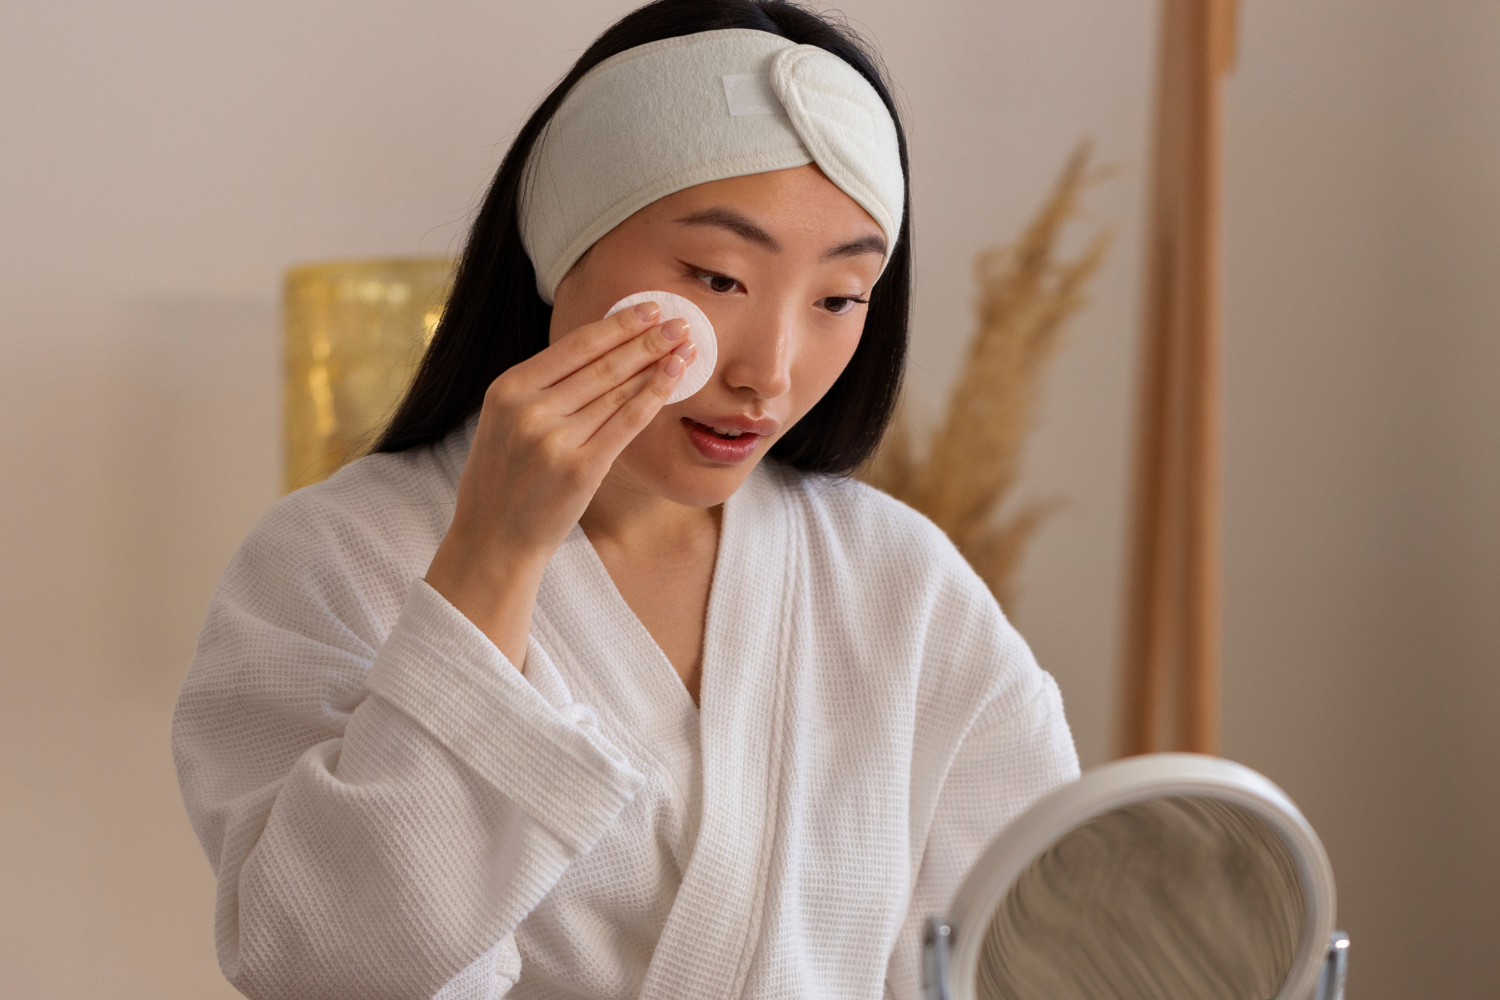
pixel 392 809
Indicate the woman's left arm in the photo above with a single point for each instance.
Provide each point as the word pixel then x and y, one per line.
pixel 1017 749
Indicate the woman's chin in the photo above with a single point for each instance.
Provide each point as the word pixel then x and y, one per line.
pixel 690 481
pixel 697 484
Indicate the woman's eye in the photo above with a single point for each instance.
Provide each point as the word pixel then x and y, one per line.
pixel 721 283
pixel 841 304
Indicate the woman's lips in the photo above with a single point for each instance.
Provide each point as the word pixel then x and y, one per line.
pixel 723 450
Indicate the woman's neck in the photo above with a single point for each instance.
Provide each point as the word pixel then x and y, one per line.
pixel 661 558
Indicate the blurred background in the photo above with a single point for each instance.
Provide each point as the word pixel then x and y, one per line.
pixel 164 163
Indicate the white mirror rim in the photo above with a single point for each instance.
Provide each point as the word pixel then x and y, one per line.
pixel 1123 783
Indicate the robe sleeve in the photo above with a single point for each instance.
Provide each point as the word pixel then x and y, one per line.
pixel 379 820
pixel 1011 755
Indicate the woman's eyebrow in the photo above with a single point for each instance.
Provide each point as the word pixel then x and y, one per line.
pixel 728 218
pixel 865 244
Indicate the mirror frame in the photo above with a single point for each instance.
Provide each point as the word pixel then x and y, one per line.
pixel 1122 783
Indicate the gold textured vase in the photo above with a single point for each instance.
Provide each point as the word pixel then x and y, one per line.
pixel 354 331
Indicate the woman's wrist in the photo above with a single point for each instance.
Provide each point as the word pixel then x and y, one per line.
pixel 496 590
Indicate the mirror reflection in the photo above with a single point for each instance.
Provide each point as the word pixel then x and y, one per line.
pixel 1174 898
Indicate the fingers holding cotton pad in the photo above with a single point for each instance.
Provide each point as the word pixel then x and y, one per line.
pixel 700 331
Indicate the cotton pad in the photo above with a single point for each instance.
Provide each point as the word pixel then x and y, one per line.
pixel 700 331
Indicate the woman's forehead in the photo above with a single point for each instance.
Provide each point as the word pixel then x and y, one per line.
pixel 794 203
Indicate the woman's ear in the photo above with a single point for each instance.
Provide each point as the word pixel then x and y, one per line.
pixel 565 300
pixel 573 276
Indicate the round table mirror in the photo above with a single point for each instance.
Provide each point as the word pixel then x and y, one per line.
pixel 1163 877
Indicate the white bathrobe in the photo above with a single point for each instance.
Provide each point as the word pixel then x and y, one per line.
pixel 394 810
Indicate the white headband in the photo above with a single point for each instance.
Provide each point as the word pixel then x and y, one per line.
pixel 682 111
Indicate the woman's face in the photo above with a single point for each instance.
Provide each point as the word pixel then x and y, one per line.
pixel 782 263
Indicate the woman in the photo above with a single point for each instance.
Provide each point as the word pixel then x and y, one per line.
pixel 566 692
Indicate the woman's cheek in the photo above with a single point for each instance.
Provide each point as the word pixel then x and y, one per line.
pixel 826 361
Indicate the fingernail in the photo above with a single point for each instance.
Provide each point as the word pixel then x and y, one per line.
pixel 685 350
pixel 674 365
pixel 674 329
pixel 647 311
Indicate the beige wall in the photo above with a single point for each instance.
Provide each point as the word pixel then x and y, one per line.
pixel 1363 479
pixel 162 163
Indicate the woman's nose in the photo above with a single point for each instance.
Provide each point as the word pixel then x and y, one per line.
pixel 760 356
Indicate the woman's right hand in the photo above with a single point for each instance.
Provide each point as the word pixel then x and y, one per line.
pixel 549 430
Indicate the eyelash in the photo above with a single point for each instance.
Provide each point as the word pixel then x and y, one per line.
pixel 707 277
pixel 846 298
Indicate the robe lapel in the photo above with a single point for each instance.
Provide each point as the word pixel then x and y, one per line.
pixel 709 940
pixel 612 664
pixel 608 659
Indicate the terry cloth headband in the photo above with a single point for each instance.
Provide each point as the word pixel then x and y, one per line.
pixel 682 111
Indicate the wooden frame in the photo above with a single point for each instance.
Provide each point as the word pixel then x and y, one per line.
pixel 1169 682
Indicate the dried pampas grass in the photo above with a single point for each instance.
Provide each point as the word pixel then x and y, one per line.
pixel 1027 294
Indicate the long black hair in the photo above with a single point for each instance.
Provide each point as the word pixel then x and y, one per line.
pixel 495 318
